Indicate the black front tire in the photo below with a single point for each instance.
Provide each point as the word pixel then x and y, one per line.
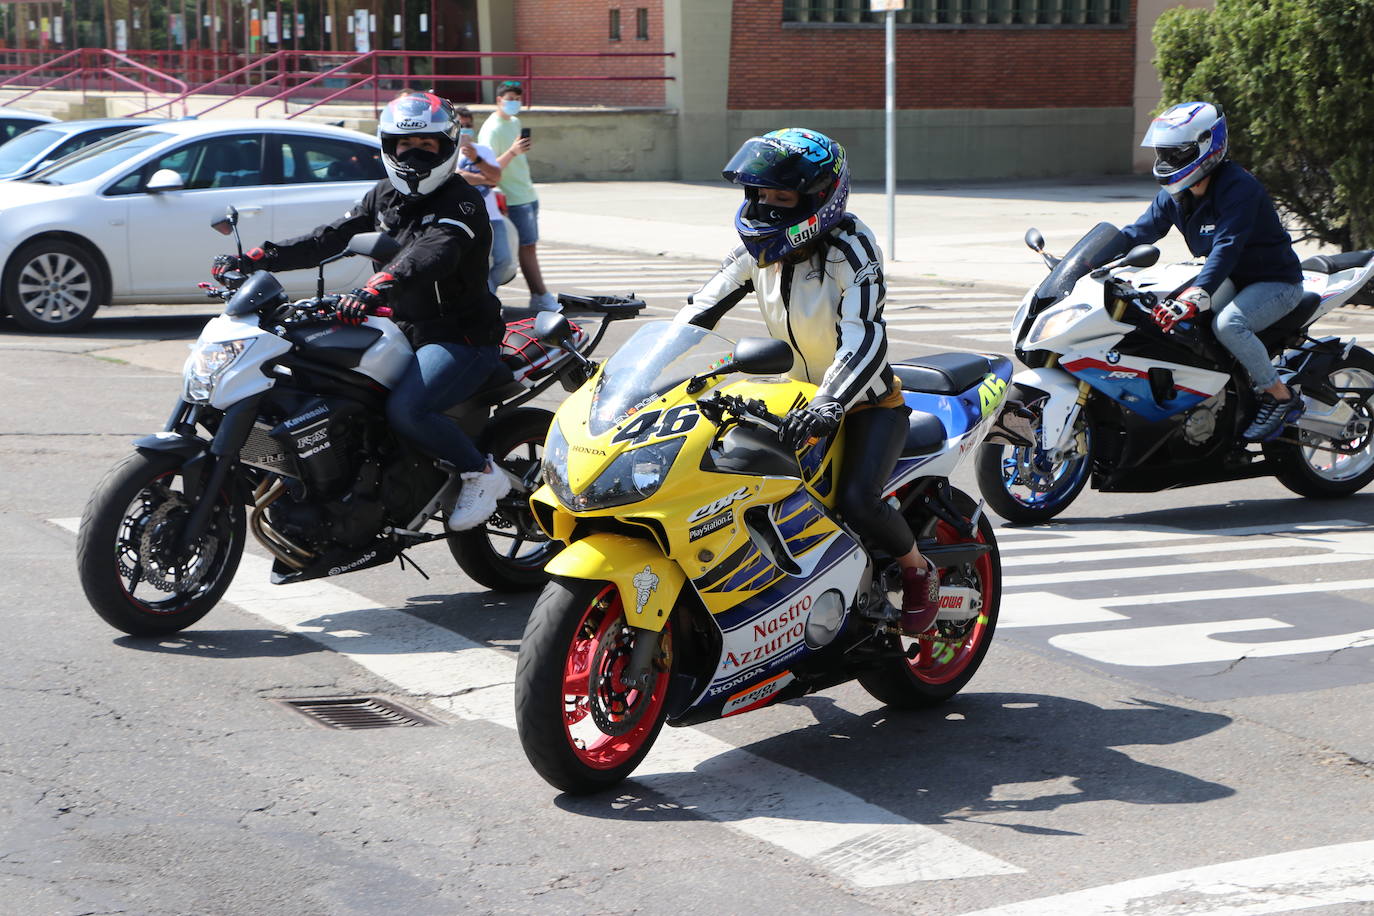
pixel 561 735
pixel 1034 508
pixel 52 286
pixel 138 494
pixel 491 554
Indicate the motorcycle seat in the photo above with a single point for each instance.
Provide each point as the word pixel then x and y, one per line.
pixel 1297 319
pixel 942 373
pixel 1332 263
pixel 925 433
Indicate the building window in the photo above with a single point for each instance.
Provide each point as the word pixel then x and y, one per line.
pixel 962 12
pixel 642 23
pixel 615 25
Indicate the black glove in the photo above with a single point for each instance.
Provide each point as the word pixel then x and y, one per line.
pixel 251 260
pixel 365 300
pixel 819 418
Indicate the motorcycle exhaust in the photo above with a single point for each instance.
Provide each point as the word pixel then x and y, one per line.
pixel 277 544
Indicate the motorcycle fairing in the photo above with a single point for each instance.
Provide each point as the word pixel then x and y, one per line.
pixel 649 583
pixel 1126 380
pixel 965 417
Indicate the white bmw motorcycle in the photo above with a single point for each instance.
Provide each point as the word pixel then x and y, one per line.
pixel 1109 397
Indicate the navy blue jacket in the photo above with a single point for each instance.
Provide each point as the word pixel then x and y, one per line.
pixel 1234 224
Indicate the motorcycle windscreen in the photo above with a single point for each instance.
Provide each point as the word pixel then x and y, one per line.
pixel 660 356
pixel 1102 243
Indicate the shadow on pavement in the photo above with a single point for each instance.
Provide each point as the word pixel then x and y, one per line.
pixel 1236 513
pixel 978 755
pixel 225 644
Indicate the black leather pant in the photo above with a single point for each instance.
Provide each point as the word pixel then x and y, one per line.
pixel 873 442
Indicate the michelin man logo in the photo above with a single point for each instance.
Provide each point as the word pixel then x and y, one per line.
pixel 646 583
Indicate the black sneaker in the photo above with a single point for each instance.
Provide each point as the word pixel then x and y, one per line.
pixel 1273 415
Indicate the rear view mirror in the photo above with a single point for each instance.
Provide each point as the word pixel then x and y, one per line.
pixel 375 245
pixel 761 356
pixel 165 180
pixel 1034 240
pixel 1140 256
pixel 552 327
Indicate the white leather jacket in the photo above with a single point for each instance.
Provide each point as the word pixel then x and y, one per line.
pixel 831 313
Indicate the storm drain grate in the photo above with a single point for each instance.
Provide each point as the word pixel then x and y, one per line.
pixel 357 712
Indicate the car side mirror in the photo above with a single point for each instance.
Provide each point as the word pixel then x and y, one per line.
pixel 375 245
pixel 761 356
pixel 165 180
pixel 1034 240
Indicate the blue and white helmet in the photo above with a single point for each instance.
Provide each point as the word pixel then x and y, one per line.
pixel 791 159
pixel 1189 141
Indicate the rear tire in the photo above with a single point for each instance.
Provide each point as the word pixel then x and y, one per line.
pixel 507 552
pixel 1317 474
pixel 128 530
pixel 582 728
pixel 947 663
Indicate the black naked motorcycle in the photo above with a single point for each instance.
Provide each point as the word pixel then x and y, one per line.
pixel 281 429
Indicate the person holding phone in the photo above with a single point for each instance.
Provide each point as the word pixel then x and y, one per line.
pixel 503 131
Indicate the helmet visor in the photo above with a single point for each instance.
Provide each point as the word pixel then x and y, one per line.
pixel 1169 159
pixel 764 163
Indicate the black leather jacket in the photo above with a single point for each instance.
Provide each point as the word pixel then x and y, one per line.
pixel 440 292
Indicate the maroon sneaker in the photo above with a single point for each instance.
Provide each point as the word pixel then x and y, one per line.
pixel 920 600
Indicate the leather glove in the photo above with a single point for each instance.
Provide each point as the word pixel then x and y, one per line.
pixel 365 300
pixel 251 260
pixel 1169 312
pixel 819 418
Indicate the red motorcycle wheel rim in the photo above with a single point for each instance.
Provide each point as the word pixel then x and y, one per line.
pixel 583 686
pixel 942 662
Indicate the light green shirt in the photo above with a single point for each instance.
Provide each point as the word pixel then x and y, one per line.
pixel 499 133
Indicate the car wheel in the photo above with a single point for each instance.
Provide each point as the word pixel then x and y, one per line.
pixel 53 286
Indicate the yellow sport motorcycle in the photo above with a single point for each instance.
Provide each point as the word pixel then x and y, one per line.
pixel 706 572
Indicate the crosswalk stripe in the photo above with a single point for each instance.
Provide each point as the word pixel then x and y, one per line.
pixel 1059 537
pixel 863 843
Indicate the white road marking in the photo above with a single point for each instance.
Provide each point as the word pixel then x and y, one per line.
pixel 1192 569
pixel 1113 533
pixel 1044 609
pixel 1282 883
pixel 860 842
pixel 1141 553
pixel 1195 643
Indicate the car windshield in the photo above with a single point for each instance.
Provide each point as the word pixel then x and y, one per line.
pixel 99 158
pixel 660 356
pixel 1093 250
pixel 22 150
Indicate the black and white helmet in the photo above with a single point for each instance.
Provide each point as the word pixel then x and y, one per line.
pixel 417 172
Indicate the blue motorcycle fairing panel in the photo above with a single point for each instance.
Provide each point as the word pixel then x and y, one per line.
pixel 1130 387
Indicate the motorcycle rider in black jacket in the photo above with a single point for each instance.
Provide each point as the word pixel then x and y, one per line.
pixel 436 287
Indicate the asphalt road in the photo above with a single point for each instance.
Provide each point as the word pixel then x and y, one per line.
pixel 1173 717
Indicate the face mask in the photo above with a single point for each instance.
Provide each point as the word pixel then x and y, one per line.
pixel 510 106
pixel 774 215
pixel 421 160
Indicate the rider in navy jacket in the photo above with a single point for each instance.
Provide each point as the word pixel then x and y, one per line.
pixel 1225 215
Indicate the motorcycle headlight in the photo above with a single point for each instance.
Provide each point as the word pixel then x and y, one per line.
pixel 1056 322
pixel 634 475
pixel 206 364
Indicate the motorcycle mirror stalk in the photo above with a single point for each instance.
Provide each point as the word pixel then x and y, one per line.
pixel 1036 242
pixel 1139 256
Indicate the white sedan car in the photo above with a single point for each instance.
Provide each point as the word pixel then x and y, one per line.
pixel 128 220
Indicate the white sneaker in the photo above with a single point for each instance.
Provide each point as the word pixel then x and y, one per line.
pixel 545 302
pixel 477 500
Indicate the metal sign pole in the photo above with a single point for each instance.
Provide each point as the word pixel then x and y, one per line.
pixel 890 120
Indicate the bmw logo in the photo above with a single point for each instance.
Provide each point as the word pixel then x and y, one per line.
pixel 1113 357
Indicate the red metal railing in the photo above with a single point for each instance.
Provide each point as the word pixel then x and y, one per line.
pixel 90 69
pixel 312 78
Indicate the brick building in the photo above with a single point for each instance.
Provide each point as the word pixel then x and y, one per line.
pixel 985 88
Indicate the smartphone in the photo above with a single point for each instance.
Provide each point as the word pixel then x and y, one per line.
pixel 524 133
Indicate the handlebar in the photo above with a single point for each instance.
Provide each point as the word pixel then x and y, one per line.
pixel 746 413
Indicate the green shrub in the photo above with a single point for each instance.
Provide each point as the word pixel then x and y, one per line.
pixel 1296 81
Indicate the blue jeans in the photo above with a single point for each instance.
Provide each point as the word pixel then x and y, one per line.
pixel 442 375
pixel 1255 308
pixel 526 219
pixel 501 254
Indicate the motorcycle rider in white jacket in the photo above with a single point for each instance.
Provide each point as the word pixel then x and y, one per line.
pixel 817 275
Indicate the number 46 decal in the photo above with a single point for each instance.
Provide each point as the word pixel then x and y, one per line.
pixel 655 424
